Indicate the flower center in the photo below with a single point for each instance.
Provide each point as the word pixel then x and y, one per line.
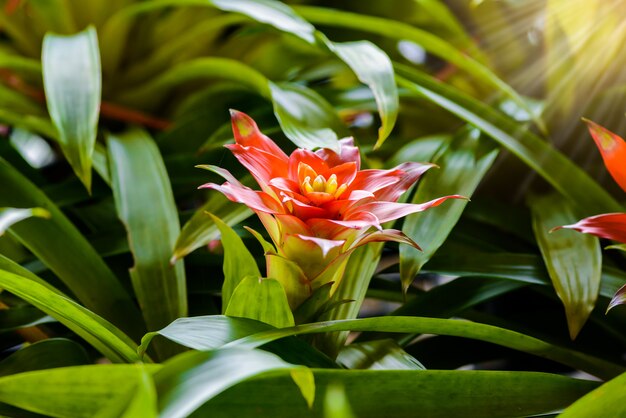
pixel 320 190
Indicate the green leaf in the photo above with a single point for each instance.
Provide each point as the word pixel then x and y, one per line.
pixel 378 355
pixel 305 117
pixel 373 68
pixel 189 380
pixel 261 299
pixel 10 216
pixel 336 404
pixel 607 399
pixel 407 394
pixel 103 336
pixel 73 84
pixel 430 42
pixel 201 229
pixel 188 331
pixel 238 262
pixel 573 260
pixel 140 402
pixel 87 276
pixel 463 165
pixel 46 354
pixel 65 392
pixel 145 204
pixel 549 163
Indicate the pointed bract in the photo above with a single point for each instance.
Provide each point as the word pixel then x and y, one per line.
pixel 613 150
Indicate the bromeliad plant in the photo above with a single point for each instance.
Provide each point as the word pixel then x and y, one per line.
pixel 317 207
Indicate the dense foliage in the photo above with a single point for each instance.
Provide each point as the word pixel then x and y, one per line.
pixel 129 292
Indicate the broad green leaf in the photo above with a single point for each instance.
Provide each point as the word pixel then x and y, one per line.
pixel 549 163
pixel 407 394
pixel 45 354
pixel 394 324
pixel 103 336
pixel 189 380
pixel 73 84
pixel 305 117
pixel 373 68
pixel 261 299
pixel 238 262
pixel 87 276
pixel 607 399
pixel 573 260
pixel 200 229
pixel 404 31
pixel 463 165
pixel 145 204
pixel 10 216
pixel 360 269
pixel 70 392
pixel 378 355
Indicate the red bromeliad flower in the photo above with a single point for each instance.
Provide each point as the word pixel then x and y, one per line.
pixel 316 206
pixel 611 225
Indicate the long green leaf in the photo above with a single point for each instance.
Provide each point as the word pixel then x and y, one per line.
pixel 607 399
pixel 190 379
pixel 463 165
pixel 200 229
pixel 573 260
pixel 400 324
pixel 378 355
pixel 373 68
pixel 73 84
pixel 539 155
pixel 407 394
pixel 103 336
pixel 145 204
pixel 75 262
pixel 70 392
pixel 238 262
pixel 261 299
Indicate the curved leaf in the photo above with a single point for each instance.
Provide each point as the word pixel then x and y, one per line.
pixel 261 299
pixel 573 260
pixel 608 398
pixel 10 216
pixel 145 203
pixel 73 84
pixel 45 354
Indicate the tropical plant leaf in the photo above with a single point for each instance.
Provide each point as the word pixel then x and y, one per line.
pixel 87 276
pixel 395 324
pixel 573 260
pixel 374 69
pixel 406 394
pixel 539 155
pixel 191 379
pixel 463 165
pixel 145 204
pixel 73 84
pixel 261 299
pixel 608 398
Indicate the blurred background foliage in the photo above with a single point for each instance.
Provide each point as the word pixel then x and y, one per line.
pixel 490 90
